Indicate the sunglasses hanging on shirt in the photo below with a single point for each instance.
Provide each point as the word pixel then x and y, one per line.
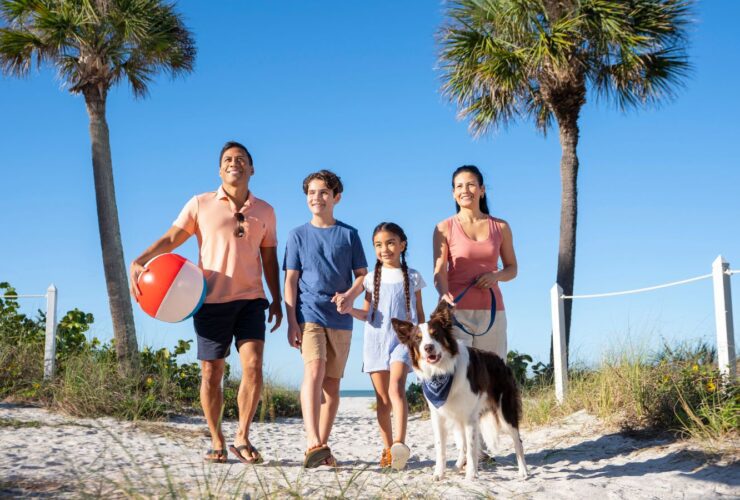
pixel 239 231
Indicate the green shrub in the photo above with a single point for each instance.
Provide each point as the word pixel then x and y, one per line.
pixel 275 401
pixel 88 382
pixel 415 397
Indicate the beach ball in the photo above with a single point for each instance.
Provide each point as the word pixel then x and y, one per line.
pixel 172 288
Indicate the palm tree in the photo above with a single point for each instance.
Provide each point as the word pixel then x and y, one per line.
pixel 95 44
pixel 508 59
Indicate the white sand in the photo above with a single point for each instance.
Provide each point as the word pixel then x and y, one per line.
pixel 47 454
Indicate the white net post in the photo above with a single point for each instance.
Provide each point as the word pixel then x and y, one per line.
pixel 723 318
pixel 560 356
pixel 51 330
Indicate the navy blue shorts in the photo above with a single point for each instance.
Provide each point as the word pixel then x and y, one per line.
pixel 216 325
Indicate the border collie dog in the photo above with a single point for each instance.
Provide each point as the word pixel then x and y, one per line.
pixel 472 389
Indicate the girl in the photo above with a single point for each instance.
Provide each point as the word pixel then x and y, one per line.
pixel 392 290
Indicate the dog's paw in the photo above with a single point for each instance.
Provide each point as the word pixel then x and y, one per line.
pixel 523 474
pixel 471 476
pixel 438 475
pixel 460 466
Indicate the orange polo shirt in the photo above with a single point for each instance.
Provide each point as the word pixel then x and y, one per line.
pixel 232 266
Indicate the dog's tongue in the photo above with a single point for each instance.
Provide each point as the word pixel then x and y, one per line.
pixel 433 358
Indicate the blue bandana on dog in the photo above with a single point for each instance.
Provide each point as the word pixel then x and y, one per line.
pixel 437 389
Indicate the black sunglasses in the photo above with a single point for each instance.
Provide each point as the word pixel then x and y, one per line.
pixel 239 231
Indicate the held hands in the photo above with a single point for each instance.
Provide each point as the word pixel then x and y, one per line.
pixel 487 280
pixel 344 304
pixel 276 311
pixel 295 337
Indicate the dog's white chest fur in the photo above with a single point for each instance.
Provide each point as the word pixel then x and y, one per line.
pixel 461 402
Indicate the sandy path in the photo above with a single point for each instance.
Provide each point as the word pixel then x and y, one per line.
pixel 47 454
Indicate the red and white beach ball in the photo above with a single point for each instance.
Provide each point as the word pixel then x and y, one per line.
pixel 172 288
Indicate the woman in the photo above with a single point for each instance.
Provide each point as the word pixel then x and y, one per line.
pixel 467 248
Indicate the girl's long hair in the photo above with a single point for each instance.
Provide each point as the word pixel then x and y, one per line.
pixel 482 203
pixel 395 229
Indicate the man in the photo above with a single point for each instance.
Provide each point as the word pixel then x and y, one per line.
pixel 237 242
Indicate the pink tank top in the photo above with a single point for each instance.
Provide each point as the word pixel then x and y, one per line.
pixel 467 259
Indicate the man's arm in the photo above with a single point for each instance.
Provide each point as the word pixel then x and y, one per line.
pixel 172 239
pixel 272 277
pixel 291 298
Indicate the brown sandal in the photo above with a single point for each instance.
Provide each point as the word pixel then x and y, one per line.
pixel 247 454
pixel 316 456
pixel 216 456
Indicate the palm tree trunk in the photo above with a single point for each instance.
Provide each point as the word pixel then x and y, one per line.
pixel 116 277
pixel 567 118
pixel 568 212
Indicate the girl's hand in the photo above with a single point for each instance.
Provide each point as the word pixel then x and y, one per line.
pixel 487 280
pixel 447 298
pixel 344 306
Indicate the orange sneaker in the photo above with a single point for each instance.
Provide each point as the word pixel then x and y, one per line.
pixel 385 458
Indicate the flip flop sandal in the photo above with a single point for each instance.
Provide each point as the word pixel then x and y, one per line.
pixel 316 457
pixel 216 456
pixel 252 457
pixel 399 455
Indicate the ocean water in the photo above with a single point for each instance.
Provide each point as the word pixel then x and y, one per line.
pixel 357 394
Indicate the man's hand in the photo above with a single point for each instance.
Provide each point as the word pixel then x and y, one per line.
pixel 135 271
pixel 276 311
pixel 295 337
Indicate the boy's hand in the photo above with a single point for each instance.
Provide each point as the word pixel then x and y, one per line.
pixel 344 306
pixel 295 337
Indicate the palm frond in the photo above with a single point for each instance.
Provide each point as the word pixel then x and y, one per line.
pixel 506 58
pixel 643 79
pixel 18 50
pixel 96 44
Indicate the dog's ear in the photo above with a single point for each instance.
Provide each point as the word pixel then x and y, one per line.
pixel 404 330
pixel 443 315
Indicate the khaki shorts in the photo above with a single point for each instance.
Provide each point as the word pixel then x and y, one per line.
pixel 327 344
pixel 475 321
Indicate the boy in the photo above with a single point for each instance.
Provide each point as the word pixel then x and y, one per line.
pixel 320 259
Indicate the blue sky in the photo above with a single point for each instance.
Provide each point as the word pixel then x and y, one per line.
pixel 352 87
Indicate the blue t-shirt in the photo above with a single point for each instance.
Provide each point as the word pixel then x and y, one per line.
pixel 325 258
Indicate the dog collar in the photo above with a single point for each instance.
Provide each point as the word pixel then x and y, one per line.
pixel 437 389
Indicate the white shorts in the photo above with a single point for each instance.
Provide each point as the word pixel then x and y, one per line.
pixel 475 321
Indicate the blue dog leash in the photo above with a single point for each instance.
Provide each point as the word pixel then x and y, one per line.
pixel 493 311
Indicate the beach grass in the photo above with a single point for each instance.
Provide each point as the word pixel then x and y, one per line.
pixel 676 389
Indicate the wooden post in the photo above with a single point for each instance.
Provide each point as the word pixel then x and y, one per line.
pixel 723 318
pixel 51 331
pixel 560 356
